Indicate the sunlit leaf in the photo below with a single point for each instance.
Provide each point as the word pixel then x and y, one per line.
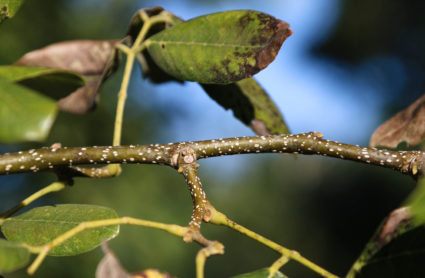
pixel 43 224
pixel 406 126
pixel 261 273
pixel 8 8
pixel 149 68
pixel 25 115
pixel 250 104
pixel 12 256
pixel 55 83
pixel 219 48
pixel 398 247
pixel 94 60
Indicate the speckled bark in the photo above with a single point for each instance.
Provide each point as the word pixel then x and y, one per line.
pixel 407 162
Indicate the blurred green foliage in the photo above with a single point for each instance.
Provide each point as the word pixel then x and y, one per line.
pixel 324 208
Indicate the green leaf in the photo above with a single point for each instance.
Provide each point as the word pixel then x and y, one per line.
pixel 43 224
pixel 250 104
pixel 261 273
pixel 8 8
pixel 55 83
pixel 12 256
pixel 219 48
pixel 25 115
pixel 398 247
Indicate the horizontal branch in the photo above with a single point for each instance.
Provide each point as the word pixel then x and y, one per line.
pixel 407 162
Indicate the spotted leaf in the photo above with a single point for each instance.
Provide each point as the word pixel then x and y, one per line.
pixel 219 48
pixel 8 8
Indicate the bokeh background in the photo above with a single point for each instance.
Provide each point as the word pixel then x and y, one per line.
pixel 348 66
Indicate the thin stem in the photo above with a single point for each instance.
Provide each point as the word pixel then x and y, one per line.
pixel 122 96
pixel 277 265
pixel 56 186
pixel 214 248
pixel 45 249
pixel 219 218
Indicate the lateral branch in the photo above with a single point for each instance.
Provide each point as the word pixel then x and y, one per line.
pixel 407 162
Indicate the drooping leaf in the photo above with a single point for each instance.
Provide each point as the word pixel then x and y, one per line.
pixel 56 83
pixel 8 8
pixel 149 68
pixel 43 224
pixel 250 104
pixel 406 126
pixel 25 115
pixel 219 48
pixel 398 247
pixel 109 266
pixel 261 273
pixel 94 60
pixel 12 256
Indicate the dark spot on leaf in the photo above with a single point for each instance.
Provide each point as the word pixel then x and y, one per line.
pixel 162 45
pixel 268 53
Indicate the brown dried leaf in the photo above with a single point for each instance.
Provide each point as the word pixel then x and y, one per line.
pixel 406 126
pixel 109 266
pixel 95 60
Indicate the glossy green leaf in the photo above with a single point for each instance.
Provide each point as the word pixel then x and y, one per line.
pixel 12 256
pixel 250 104
pixel 8 8
pixel 53 82
pixel 398 247
pixel 261 273
pixel 25 115
pixel 219 48
pixel 43 224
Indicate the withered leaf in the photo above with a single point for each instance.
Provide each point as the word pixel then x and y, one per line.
pixel 406 126
pixel 94 60
pixel 109 266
